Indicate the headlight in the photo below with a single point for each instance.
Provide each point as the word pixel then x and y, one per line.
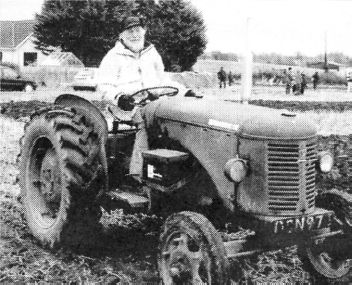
pixel 326 161
pixel 236 169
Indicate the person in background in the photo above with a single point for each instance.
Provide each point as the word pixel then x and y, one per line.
pixel 303 83
pixel 230 78
pixel 315 80
pixel 296 88
pixel 130 66
pixel 288 78
pixel 222 76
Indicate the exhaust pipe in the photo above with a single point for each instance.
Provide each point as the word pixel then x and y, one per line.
pixel 247 69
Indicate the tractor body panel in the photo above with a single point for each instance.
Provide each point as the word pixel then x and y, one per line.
pixel 280 147
pixel 247 120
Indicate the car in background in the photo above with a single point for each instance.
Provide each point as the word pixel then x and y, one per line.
pixel 85 79
pixel 10 80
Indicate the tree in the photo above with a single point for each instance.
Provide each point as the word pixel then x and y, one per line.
pixel 90 28
pixel 73 26
pixel 178 31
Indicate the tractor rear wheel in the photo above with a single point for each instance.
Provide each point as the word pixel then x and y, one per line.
pixel 60 174
pixel 191 251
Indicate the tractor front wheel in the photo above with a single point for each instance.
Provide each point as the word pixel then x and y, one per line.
pixel 331 257
pixel 326 260
pixel 191 251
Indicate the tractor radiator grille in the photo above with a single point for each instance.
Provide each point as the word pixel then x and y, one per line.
pixel 291 176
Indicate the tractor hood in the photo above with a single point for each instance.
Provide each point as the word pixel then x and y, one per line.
pixel 246 120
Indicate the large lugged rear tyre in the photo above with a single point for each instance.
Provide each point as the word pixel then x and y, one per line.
pixel 60 173
pixel 191 251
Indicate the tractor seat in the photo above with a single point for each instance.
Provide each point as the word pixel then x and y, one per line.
pixel 123 117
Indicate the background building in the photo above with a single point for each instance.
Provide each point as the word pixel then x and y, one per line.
pixel 330 65
pixel 16 44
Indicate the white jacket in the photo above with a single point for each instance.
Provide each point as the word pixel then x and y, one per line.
pixel 122 71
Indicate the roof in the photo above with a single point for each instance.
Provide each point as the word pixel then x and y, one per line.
pixel 329 63
pixel 12 33
pixel 59 58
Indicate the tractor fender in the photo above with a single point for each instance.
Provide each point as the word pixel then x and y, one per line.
pixel 86 108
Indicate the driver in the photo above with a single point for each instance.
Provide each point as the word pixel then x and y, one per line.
pixel 132 65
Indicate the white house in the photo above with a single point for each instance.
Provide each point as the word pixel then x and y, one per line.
pixel 16 44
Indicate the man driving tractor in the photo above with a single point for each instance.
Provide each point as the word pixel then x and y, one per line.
pixel 132 65
pixel 212 165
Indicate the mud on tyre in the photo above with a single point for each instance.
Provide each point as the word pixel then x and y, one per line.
pixel 60 174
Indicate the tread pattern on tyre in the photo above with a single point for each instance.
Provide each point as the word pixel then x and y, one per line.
pixel 79 146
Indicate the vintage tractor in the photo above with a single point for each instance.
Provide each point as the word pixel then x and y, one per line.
pixel 213 167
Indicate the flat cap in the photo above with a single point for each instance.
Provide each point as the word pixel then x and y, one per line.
pixel 130 22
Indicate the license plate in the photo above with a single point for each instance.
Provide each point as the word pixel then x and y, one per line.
pixel 301 224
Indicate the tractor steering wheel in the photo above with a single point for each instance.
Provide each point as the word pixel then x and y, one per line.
pixel 142 97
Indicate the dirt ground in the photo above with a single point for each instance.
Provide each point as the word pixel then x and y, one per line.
pixel 125 250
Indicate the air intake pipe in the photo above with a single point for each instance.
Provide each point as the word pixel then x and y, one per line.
pixel 246 78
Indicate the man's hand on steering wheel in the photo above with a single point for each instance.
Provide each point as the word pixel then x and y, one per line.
pixel 152 94
pixel 126 103
pixel 144 96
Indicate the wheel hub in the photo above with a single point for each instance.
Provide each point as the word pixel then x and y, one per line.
pixel 50 178
pixel 180 266
pixel 185 260
pixel 191 251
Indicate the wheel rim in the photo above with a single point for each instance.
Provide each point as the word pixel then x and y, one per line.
pixel 185 260
pixel 329 264
pixel 28 88
pixel 44 184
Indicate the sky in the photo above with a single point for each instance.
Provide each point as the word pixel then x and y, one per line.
pixel 284 26
pixel 281 26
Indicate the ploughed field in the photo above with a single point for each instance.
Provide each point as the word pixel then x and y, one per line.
pixel 126 247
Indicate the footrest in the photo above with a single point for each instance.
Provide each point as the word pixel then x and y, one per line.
pixel 134 200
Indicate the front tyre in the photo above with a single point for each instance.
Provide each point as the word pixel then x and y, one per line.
pixel 191 251
pixel 331 257
pixel 326 261
pixel 60 172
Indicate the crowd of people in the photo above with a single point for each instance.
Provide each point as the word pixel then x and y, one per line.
pixel 223 77
pixel 295 83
